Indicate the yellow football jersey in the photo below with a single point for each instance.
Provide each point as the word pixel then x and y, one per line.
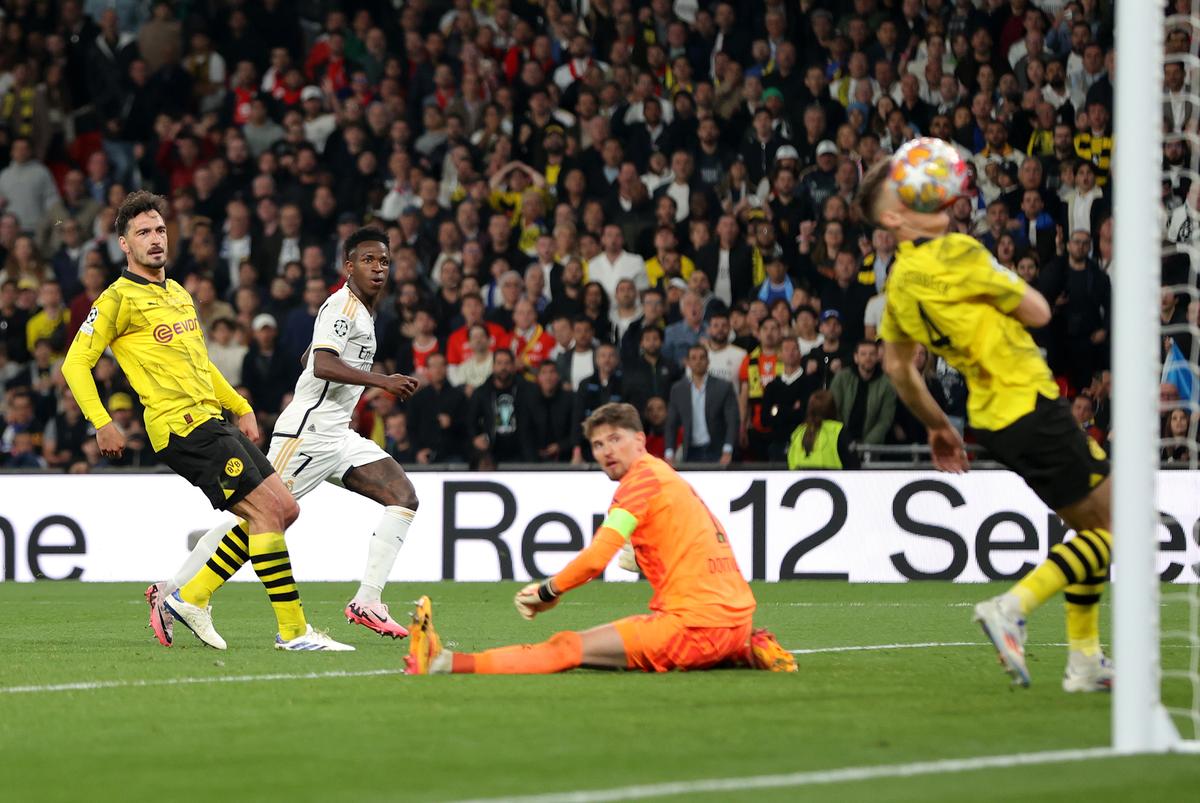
pixel 157 340
pixel 952 296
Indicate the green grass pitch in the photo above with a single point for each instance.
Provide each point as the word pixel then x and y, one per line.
pixel 389 737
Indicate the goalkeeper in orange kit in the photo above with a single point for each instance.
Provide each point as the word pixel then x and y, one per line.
pixel 702 606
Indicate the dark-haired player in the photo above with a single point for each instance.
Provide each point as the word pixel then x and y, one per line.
pixel 150 323
pixel 313 442
pixel 947 292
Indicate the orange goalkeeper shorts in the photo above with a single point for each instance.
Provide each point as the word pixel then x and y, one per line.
pixel 660 642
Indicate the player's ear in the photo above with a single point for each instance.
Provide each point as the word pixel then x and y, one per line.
pixel 891 219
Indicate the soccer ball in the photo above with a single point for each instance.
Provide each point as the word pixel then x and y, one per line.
pixel 928 174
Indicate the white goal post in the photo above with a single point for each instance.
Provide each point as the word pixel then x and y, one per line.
pixel 1140 722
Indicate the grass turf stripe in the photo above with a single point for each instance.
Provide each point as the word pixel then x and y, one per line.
pixel 813 778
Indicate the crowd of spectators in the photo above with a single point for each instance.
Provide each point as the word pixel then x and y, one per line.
pixel 586 201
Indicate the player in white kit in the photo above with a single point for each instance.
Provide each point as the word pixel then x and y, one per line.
pixel 313 442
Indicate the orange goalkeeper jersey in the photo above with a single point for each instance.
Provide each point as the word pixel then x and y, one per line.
pixel 681 547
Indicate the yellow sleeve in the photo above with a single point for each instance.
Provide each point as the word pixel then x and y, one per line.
pixel 99 329
pixel 229 398
pixel 889 326
pixel 986 279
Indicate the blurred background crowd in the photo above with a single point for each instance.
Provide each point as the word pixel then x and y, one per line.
pixel 586 200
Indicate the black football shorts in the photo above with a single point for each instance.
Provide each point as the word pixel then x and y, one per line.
pixel 1050 451
pixel 219 460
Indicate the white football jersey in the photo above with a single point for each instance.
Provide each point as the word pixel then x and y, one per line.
pixel 320 407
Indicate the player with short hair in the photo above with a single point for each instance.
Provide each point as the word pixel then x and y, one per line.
pixel 313 442
pixel 945 291
pixel 150 323
pixel 702 607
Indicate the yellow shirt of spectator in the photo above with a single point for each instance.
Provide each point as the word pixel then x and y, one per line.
pixel 952 296
pixel 156 338
pixel 654 269
pixel 42 326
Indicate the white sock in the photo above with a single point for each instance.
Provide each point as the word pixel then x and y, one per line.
pixel 203 550
pixel 384 548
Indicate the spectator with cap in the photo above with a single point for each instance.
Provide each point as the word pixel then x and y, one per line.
pixel 831 355
pixel 820 181
pixel 265 372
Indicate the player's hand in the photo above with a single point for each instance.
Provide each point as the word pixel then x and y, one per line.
pixel 627 559
pixel 948 453
pixel 111 440
pixel 248 424
pixel 400 386
pixel 529 604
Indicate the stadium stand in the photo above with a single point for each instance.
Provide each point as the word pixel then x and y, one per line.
pixel 536 155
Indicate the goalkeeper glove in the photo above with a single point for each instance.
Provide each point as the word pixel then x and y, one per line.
pixel 535 598
pixel 627 560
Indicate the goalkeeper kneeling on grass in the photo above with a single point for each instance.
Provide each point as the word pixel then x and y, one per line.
pixel 702 607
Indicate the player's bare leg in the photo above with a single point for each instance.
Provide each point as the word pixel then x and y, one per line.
pixel 385 482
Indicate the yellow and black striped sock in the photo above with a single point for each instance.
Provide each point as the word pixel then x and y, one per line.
pixel 1072 562
pixel 272 564
pixel 231 554
pixel 1083 616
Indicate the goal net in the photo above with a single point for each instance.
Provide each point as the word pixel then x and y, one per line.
pixel 1156 387
pixel 1179 380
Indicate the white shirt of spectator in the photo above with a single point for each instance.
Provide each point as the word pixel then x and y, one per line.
pixel 723 288
pixel 621 323
pixel 235 252
pixel 397 200
pixel 724 363
pixel 808 345
pixel 682 194
pixel 320 408
pixel 472 371
pixel 873 316
pixel 583 365
pixel 574 70
pixel 609 272
pixel 289 251
pixel 1054 98
pixel 1079 209
pixel 318 129
pixel 228 359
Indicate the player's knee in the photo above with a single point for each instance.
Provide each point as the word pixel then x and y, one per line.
pixel 289 510
pixel 404 494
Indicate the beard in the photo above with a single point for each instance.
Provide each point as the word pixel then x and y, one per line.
pixel 156 261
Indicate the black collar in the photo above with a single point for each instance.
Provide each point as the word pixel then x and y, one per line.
pixel 133 277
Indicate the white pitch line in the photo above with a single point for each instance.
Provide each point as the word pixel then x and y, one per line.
pixel 875 647
pixel 131 684
pixel 813 778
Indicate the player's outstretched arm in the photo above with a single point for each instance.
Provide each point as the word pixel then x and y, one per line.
pixel 944 440
pixel 328 365
pixel 588 564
